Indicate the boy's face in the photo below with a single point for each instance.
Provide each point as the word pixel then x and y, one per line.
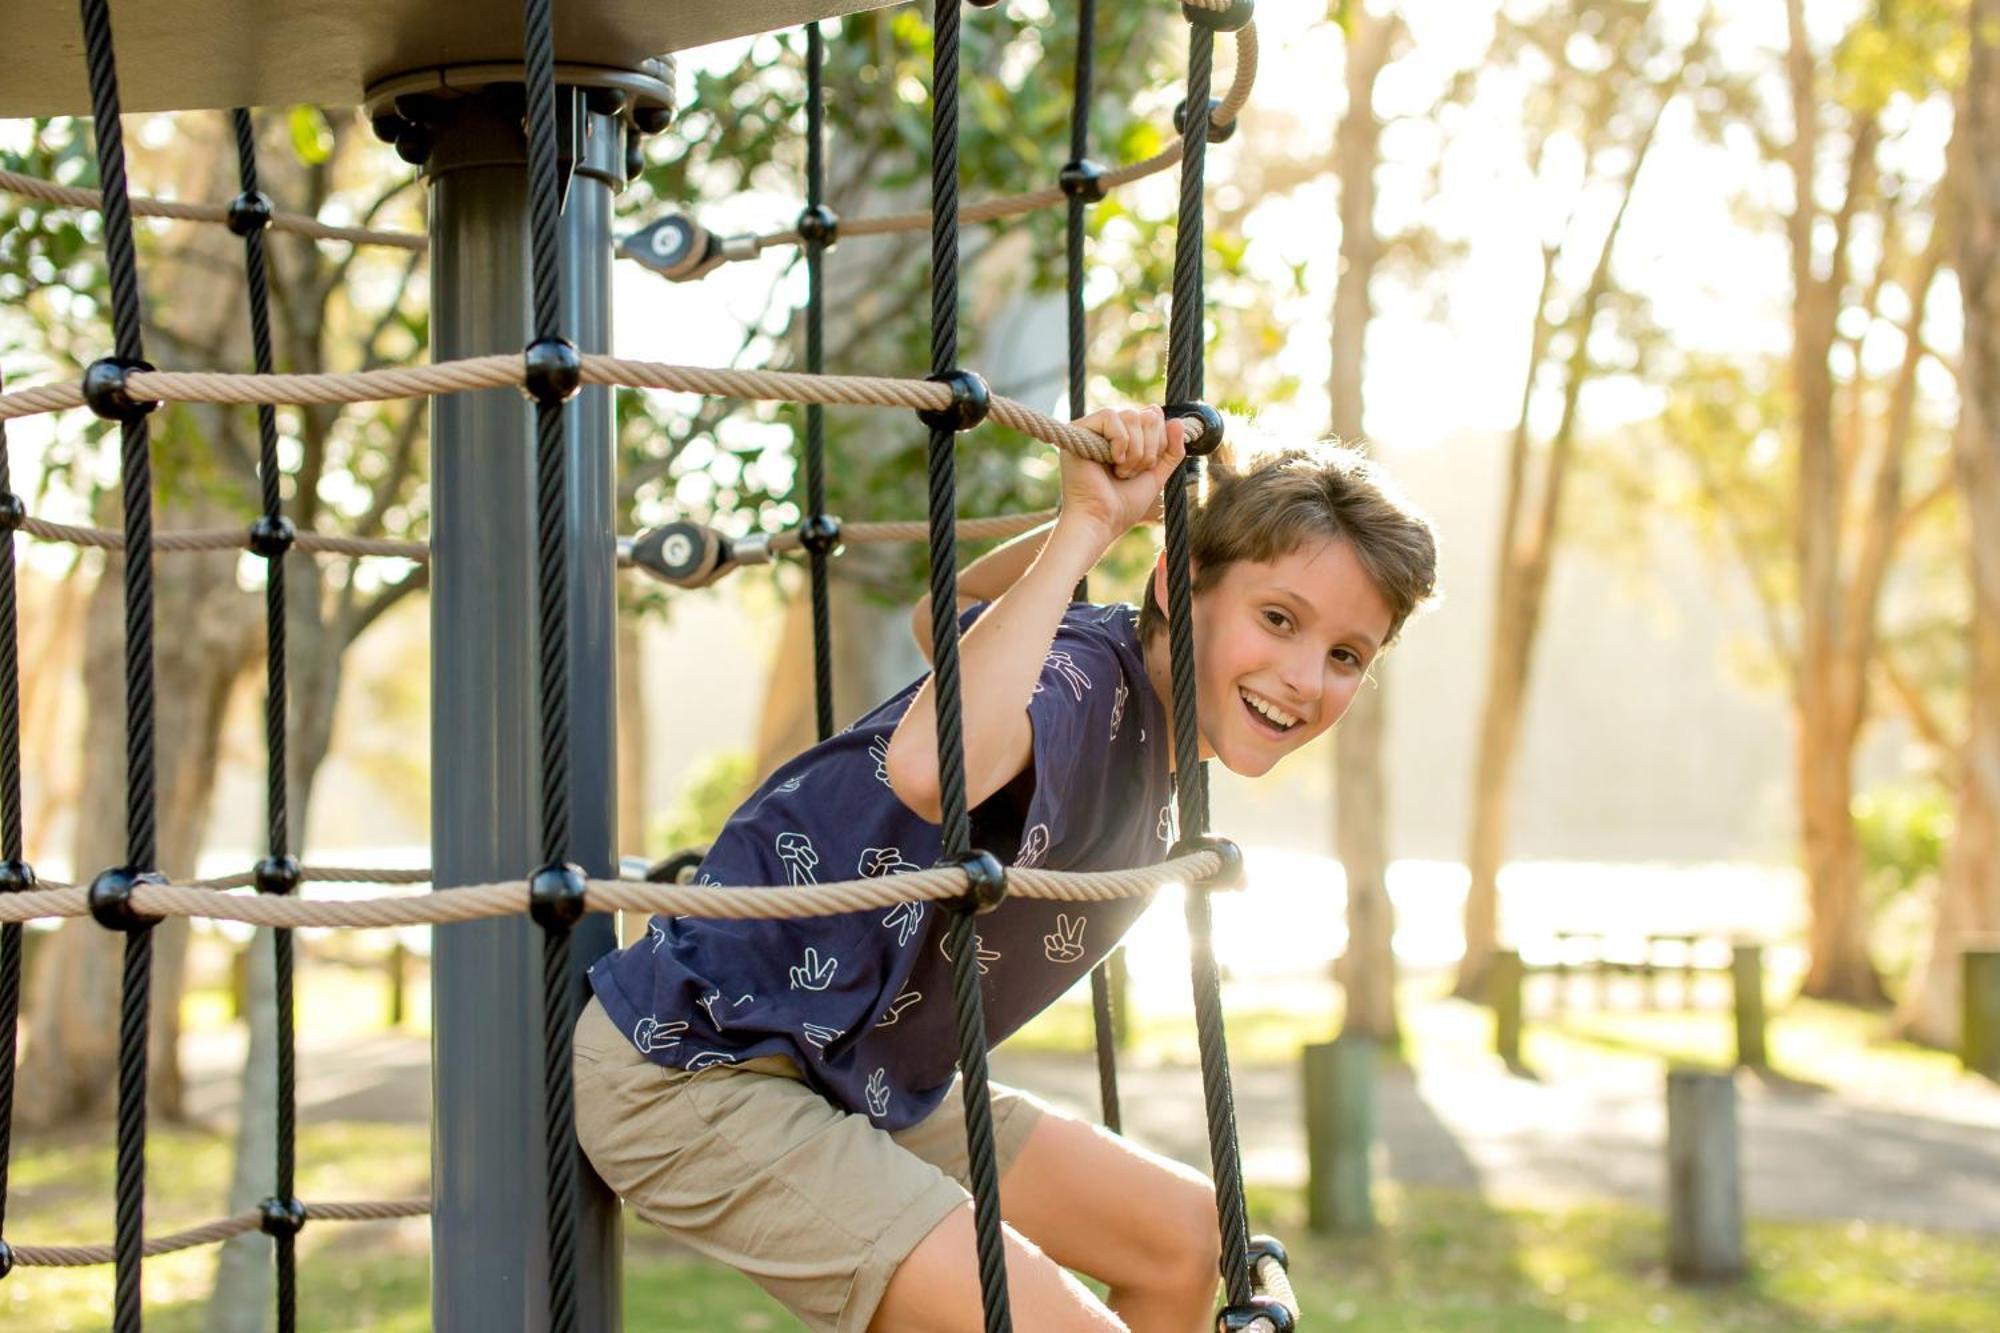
pixel 1280 649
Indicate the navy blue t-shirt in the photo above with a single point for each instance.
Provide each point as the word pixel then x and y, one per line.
pixel 861 1002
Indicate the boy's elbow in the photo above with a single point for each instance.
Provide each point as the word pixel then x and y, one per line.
pixel 913 778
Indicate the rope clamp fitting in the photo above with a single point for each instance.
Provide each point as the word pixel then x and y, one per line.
pixel 986 882
pixel 686 554
pixel 249 213
pixel 281 1217
pixel 1082 179
pixel 820 534
pixel 1239 1318
pixel 279 875
pixel 110 899
pixel 272 535
pixel 819 225
pixel 1269 1247
pixel 605 101
pixel 970 401
pixel 1212 432
pixel 752 548
pixel 554 370
pixel 16 876
pixel 13 512
pixel 1218 131
pixel 1235 17
pixel 1229 875
pixel 104 389
pixel 557 896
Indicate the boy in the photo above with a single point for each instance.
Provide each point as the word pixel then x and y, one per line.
pixel 780 1094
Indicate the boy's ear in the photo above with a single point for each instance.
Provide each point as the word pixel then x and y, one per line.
pixel 1160 580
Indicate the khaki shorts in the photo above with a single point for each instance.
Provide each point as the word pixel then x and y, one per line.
pixel 749 1165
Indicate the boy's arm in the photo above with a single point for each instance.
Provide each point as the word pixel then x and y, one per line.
pixel 984 580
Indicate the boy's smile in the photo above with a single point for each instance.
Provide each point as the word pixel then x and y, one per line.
pixel 1280 649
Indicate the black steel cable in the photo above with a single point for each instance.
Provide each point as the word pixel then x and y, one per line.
pixel 276 761
pixel 822 614
pixel 983 1165
pixel 10 819
pixel 1184 384
pixel 136 476
pixel 1107 1045
pixel 559 993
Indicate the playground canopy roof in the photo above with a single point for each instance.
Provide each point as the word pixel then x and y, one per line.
pixel 178 55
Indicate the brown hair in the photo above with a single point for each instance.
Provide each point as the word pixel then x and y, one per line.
pixel 1284 498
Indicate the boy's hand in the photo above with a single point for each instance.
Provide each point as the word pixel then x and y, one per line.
pixel 1145 450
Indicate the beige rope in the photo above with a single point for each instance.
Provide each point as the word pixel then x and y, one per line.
pixel 208 1233
pixel 1275 1282
pixel 68 196
pixel 473 902
pixel 912 530
pixel 1012 205
pixel 310 874
pixel 220 539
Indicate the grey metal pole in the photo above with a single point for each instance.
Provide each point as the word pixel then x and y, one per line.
pixel 488 1242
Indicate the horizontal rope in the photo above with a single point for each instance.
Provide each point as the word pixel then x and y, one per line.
pixel 912 530
pixel 221 539
pixel 221 1229
pixel 985 210
pixel 504 369
pixel 33 187
pixel 1013 205
pixel 473 902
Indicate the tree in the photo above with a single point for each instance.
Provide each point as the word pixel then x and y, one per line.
pixel 1968 892
pixel 1589 125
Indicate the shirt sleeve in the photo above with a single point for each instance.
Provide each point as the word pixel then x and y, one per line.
pixel 1077 713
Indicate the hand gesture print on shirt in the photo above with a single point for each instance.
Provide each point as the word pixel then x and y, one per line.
pixel 704 1059
pixel 1068 671
pixel 815 973
pixel 1164 831
pixel 884 861
pixel 817 1036
pixel 708 1003
pixel 897 1006
pixel 785 788
pixel 1066 944
pixel 878 750
pixel 904 919
pixel 878 1094
pixel 981 953
pixel 1034 846
pixel 657 933
pixel 796 851
pixel 650 1034
pixel 1118 708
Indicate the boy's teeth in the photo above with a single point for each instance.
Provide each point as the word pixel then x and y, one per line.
pixel 1277 715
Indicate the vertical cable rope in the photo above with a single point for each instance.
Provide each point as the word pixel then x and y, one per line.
pixel 967 1003
pixel 1184 384
pixel 277 755
pixel 136 478
pixel 10 821
pixel 822 615
pixel 559 997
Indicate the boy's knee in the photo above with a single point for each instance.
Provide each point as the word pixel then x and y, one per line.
pixel 1195 1253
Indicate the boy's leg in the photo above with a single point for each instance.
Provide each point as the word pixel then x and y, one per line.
pixel 1089 1200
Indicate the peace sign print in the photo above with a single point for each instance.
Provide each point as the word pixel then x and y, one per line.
pixel 904 919
pixel 1065 945
pixel 878 1094
pixel 814 973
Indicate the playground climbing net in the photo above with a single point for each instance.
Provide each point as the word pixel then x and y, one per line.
pixel 131 898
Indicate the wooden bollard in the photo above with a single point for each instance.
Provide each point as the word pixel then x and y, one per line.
pixel 1503 995
pixel 398 968
pixel 1340 1133
pixel 1704 1183
pixel 1979 1035
pixel 1746 975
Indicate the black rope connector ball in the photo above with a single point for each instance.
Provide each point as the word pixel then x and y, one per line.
pixel 279 875
pixel 1237 15
pixel 970 400
pixel 652 118
pixel 819 225
pixel 413 145
pixel 1218 131
pixel 986 882
pixel 1082 179
pixel 1269 1247
pixel 249 212
pixel 272 535
pixel 281 1217
pixel 16 877
pixel 820 534
pixel 556 896
pixel 388 126
pixel 1211 425
pixel 6 1259
pixel 605 101
pixel 110 899
pixel 1229 875
pixel 13 512
pixel 104 389
pixel 1238 1318
pixel 635 156
pixel 554 370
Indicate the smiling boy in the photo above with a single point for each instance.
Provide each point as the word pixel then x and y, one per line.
pixel 780 1094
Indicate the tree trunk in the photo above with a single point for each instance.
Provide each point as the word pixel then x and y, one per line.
pixel 205 636
pixel 1968 891
pixel 1839 966
pixel 1367 970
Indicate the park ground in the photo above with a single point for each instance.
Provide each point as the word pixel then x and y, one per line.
pixel 1506 1201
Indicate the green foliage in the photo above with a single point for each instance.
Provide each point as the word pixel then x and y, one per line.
pixel 1903 831
pixel 716 784
pixel 1911 48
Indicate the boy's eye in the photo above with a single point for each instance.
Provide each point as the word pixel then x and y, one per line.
pixel 1277 619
